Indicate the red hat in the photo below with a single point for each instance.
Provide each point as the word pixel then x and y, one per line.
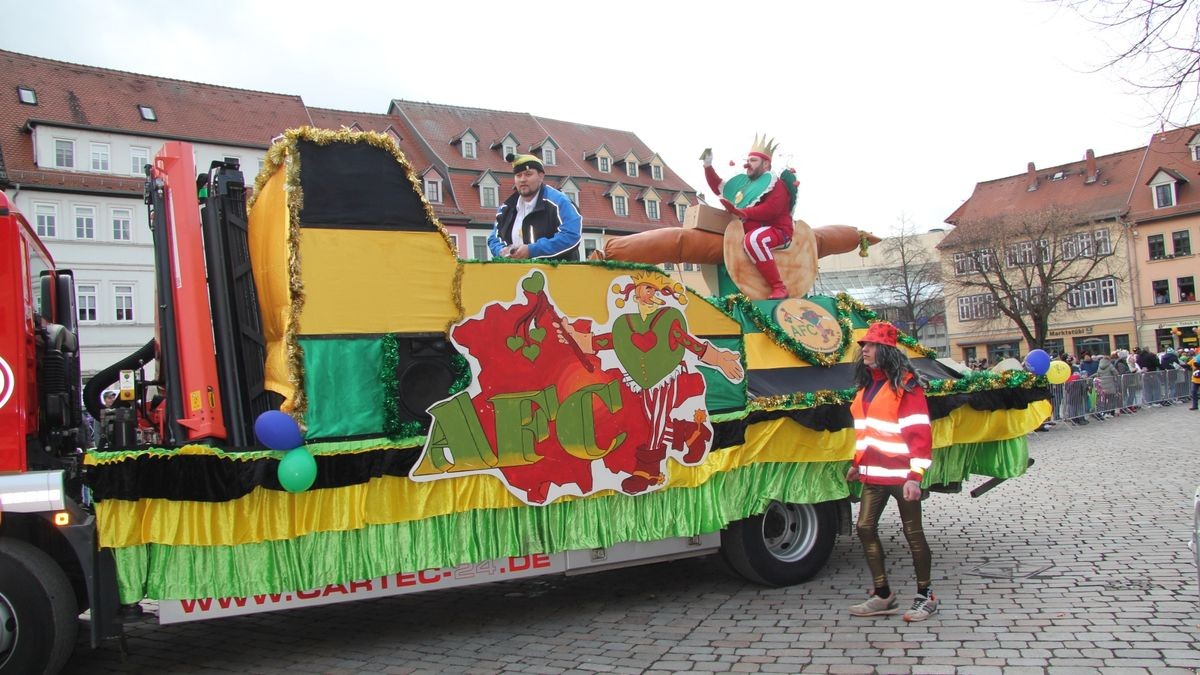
pixel 882 333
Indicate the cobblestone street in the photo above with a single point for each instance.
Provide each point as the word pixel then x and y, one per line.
pixel 1080 566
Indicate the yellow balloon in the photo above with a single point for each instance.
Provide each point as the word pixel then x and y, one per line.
pixel 1058 373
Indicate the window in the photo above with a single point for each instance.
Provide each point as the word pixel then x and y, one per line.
pixel 1103 243
pixel 138 159
pixel 509 149
pixel 122 225
pixel 548 156
pixel 976 307
pixel 85 222
pixel 1162 292
pixel 573 195
pixel 680 211
pixel 99 156
pixel 974 261
pixel 433 191
pixel 1164 195
pixel 479 248
pixel 605 164
pixel 1019 254
pixel 619 206
pixel 689 267
pixel 147 113
pixel 46 219
pixel 1121 341
pixel 123 302
pixel 631 168
pixel 670 267
pixel 1196 152
pixel 590 246
pixel 468 149
pixel 1093 293
pixel 652 210
pixel 64 153
pixel 85 302
pixel 1158 248
pixel 1181 243
pixel 487 196
pixel 656 172
pixel 27 96
pixel 1187 289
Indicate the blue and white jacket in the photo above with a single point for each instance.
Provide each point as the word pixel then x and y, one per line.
pixel 553 226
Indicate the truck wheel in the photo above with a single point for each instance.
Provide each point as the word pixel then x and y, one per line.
pixel 784 545
pixel 38 613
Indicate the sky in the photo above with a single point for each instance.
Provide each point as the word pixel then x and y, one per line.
pixel 886 110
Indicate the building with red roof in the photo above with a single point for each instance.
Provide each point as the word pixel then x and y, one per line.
pixel 1143 205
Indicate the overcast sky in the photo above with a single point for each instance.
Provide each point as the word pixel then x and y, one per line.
pixel 883 108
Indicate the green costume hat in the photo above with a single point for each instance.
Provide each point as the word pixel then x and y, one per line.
pixel 522 162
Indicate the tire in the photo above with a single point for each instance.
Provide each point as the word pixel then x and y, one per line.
pixel 786 544
pixel 38 612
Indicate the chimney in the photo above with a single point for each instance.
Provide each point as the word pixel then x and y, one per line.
pixel 1032 178
pixel 1090 174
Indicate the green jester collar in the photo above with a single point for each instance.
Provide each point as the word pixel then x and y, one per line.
pixel 742 191
pixel 644 347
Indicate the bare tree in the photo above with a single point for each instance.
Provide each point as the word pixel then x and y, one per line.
pixel 1022 268
pixel 1156 47
pixel 911 283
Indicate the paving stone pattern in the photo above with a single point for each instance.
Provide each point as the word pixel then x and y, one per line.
pixel 1080 566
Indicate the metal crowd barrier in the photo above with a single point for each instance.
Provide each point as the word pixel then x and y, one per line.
pixel 1077 400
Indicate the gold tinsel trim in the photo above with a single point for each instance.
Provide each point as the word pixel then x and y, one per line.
pixel 283 154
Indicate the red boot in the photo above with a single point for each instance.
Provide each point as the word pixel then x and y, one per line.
pixel 771 274
pixel 647 471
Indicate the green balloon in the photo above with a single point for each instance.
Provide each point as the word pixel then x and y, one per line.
pixel 297 470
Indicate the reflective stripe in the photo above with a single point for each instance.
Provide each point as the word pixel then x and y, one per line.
pixel 882 472
pixel 883 425
pixel 883 446
pixel 913 419
pixel 921 464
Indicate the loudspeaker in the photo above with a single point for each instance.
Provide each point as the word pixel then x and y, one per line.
pixel 425 374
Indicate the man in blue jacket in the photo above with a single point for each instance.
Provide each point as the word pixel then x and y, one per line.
pixel 537 221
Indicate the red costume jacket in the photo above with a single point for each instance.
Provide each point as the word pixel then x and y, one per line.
pixel 773 209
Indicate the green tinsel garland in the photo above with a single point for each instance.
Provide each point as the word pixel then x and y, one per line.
pixel 970 383
pixel 463 371
pixel 389 374
pixel 768 326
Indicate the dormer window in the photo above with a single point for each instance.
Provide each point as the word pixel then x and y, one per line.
pixel 468 149
pixel 631 168
pixel 680 211
pixel 652 209
pixel 656 172
pixel 147 113
pixel 548 156
pixel 620 205
pixel 571 190
pixel 26 96
pixel 433 189
pixel 1164 185
pixel 605 164
pixel 1164 196
pixel 509 149
pixel 489 190
pixel 1194 148
pixel 1196 153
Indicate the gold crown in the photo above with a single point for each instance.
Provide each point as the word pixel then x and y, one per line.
pixel 764 146
pixel 653 278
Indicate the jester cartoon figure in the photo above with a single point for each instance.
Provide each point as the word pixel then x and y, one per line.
pixel 656 355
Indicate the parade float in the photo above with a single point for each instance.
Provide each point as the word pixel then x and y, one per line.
pixel 382 416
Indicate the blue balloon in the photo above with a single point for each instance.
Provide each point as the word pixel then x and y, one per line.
pixel 1038 362
pixel 278 431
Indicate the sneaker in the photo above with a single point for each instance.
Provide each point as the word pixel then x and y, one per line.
pixel 922 608
pixel 876 606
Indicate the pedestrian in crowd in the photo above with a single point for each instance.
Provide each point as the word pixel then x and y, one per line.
pixel 892 452
pixel 1087 364
pixel 1106 382
pixel 1168 360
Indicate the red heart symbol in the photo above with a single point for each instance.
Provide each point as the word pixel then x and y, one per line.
pixel 644 341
